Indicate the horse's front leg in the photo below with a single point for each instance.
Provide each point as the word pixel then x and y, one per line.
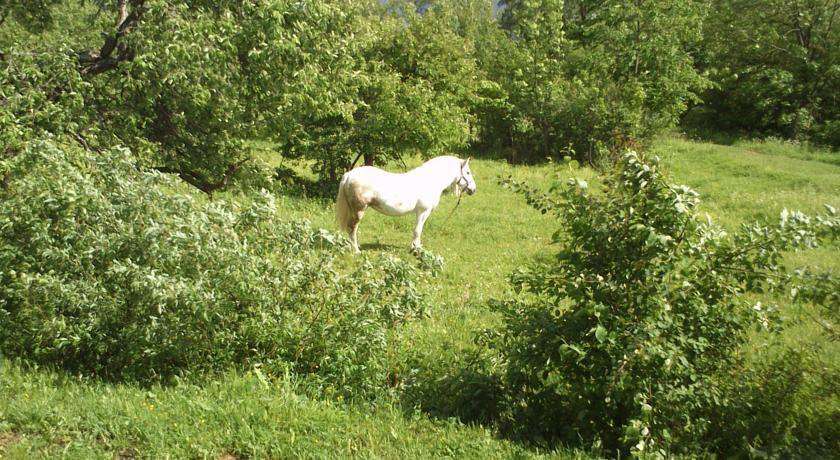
pixel 418 229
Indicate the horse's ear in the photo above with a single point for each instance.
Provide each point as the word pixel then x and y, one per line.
pixel 467 161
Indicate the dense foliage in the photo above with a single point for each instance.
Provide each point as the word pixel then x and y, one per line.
pixel 405 89
pixel 34 15
pixel 776 68
pixel 626 332
pixel 183 84
pixel 106 272
pixel 589 78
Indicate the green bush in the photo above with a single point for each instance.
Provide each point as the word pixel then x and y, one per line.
pixel 775 65
pixel 782 402
pixel 623 334
pixel 106 271
pixel 32 96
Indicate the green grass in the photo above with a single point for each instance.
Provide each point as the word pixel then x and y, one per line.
pixel 742 184
pixel 491 233
pixel 50 414
pixel 785 148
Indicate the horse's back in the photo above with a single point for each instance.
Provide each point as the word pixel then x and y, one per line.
pixel 371 177
pixel 368 172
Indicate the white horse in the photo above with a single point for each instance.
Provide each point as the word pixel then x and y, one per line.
pixel 416 191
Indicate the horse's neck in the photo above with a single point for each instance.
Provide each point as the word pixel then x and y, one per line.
pixel 440 178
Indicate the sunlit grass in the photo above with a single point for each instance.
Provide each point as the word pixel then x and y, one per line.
pixel 45 414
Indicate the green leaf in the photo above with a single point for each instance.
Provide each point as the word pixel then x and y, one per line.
pixel 600 333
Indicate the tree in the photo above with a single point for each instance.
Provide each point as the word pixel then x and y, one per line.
pixel 184 83
pixel 589 78
pixel 775 66
pixel 408 86
pixel 648 43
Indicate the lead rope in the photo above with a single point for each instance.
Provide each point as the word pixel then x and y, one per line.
pixel 453 209
pixel 458 203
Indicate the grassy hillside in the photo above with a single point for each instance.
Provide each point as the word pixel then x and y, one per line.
pixel 491 233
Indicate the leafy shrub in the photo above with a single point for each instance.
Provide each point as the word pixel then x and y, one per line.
pixel 32 96
pixel 623 333
pixel 106 272
pixel 429 261
pixel 781 403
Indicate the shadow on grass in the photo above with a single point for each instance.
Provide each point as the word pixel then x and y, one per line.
pixel 469 388
pixel 702 124
pixel 464 388
pixel 382 247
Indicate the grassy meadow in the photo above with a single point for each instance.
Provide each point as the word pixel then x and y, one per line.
pixel 50 414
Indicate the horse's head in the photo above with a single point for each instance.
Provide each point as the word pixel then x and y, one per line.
pixel 466 182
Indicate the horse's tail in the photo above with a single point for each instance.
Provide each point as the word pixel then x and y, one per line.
pixel 343 213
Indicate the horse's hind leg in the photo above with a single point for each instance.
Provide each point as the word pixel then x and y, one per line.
pixel 354 227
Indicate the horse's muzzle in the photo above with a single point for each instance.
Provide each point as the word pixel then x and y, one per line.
pixel 470 191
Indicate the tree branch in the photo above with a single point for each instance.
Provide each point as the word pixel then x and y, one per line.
pixel 202 183
pixel 106 59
